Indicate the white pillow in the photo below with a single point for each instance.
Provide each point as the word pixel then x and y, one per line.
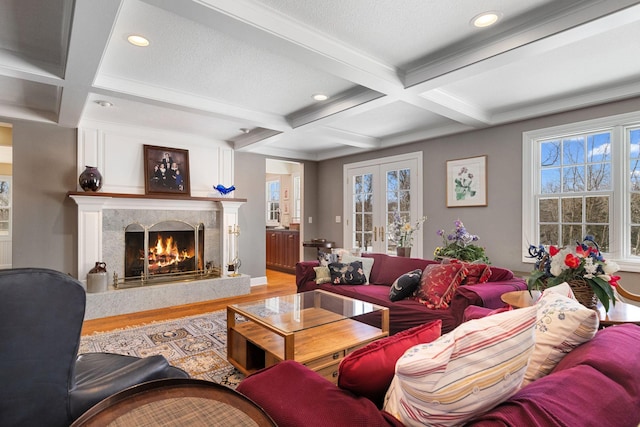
pixel 463 373
pixel 562 289
pixel 367 263
pixel 562 325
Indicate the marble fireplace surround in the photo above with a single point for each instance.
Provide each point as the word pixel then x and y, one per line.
pixel 102 218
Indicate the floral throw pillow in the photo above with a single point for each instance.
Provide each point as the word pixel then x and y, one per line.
pixel 477 273
pixel 347 274
pixel 405 285
pixel 562 325
pixel 367 263
pixel 438 284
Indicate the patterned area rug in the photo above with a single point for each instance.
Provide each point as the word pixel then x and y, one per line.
pixel 197 344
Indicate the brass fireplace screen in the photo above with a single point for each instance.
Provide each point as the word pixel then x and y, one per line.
pixel 165 250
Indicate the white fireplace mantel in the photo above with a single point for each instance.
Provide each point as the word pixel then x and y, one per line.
pixel 90 215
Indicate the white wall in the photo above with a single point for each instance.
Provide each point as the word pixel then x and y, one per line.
pixel 117 152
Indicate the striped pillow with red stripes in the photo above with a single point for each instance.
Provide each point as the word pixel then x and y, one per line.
pixel 463 373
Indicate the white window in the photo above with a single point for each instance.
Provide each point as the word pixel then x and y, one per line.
pixel 273 202
pixel 297 209
pixel 584 179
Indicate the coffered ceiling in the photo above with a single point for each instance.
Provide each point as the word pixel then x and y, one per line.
pixel 395 71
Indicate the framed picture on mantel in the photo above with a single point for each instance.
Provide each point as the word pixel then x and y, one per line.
pixel 166 170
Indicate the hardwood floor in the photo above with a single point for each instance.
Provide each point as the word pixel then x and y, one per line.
pixel 277 284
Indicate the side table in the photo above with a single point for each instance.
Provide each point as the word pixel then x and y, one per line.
pixel 622 312
pixel 619 313
pixel 176 402
pixel 319 244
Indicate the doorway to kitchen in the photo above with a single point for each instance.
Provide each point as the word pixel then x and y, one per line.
pixel 283 214
pixel 6 195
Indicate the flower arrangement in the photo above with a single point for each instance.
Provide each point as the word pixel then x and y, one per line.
pixel 584 262
pixel 401 232
pixel 459 245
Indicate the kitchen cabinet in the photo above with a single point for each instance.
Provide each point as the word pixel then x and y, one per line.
pixel 283 250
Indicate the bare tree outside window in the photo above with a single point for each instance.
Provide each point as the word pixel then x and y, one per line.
pixel 577 170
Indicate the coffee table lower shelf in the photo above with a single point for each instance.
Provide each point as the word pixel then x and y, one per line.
pixel 251 346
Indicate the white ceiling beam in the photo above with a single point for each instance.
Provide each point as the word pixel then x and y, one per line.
pixel 169 98
pixel 261 27
pixel 424 134
pixel 439 102
pixel 336 104
pixel 350 139
pixel 254 137
pixel 594 96
pixel 281 35
pixel 574 21
pixel 269 150
pixel 30 114
pixel 17 66
pixel 92 25
pixel 443 75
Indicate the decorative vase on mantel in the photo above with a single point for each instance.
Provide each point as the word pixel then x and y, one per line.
pixel 90 179
pixel 403 251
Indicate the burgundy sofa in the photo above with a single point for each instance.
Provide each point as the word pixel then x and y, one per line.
pixel 407 313
pixel 597 384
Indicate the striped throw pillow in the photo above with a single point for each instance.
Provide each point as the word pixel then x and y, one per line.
pixel 463 373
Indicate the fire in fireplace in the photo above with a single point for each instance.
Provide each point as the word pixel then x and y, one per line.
pixel 166 249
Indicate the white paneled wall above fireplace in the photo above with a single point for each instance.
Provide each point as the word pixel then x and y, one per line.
pixel 117 152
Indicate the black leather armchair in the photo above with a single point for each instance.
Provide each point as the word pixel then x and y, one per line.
pixel 43 381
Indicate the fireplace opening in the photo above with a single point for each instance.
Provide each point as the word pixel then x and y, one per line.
pixel 164 250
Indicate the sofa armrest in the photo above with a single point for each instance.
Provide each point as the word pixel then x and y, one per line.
pixel 305 274
pixel 304 398
pixel 484 295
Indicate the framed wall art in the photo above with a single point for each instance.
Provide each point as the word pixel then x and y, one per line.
pixel 166 171
pixel 467 182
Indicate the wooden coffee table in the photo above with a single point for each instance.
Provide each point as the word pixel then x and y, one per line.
pixel 317 329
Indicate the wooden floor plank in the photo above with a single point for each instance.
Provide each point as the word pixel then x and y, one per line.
pixel 278 284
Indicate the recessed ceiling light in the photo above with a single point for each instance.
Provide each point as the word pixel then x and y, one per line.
pixel 103 103
pixel 486 19
pixel 244 130
pixel 138 40
pixel 320 97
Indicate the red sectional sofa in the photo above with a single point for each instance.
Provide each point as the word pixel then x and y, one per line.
pixel 407 313
pixel 597 384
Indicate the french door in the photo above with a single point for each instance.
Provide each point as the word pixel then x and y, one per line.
pixel 376 192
